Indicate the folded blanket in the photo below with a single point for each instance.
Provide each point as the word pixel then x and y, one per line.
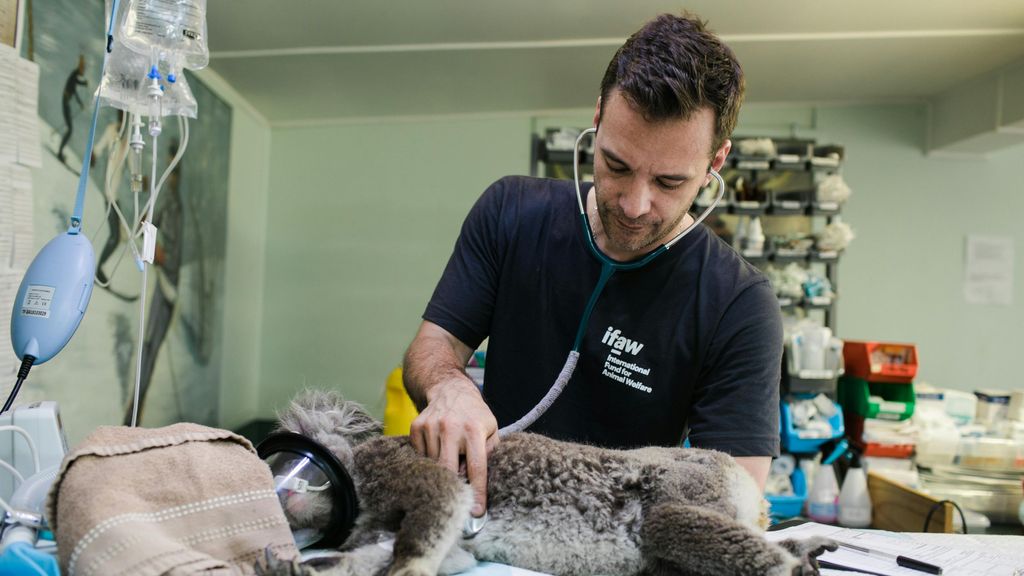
pixel 183 499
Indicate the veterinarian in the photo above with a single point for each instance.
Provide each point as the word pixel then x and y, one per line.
pixel 686 346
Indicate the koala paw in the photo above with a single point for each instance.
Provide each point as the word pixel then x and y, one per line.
pixel 272 565
pixel 807 552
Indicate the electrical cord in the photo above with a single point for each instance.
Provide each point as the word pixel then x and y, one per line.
pixel 26 365
pixel 935 507
pixel 28 440
pixel 14 471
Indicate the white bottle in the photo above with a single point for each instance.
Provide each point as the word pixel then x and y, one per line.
pixel 854 499
pixel 755 237
pixel 821 502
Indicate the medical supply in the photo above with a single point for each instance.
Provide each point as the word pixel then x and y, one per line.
pixel 25 518
pixel 823 500
pixel 993 407
pixel 990 453
pixel 125 81
pixel 881 361
pixel 608 268
pixel 937 441
pixel 778 485
pixel 23 558
pixel 1016 409
pixel 315 490
pixel 817 289
pixel 835 237
pixel 174 29
pixel 55 291
pixel 854 499
pixel 787 282
pixel 53 297
pixel 764 147
pixel 805 428
pixel 832 189
pixel 812 352
pixel 960 406
pixel 784 465
pixel 42 446
pixel 753 242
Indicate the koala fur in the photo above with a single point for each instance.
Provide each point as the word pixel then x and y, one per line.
pixel 554 507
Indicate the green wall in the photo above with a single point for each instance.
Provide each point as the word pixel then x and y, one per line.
pixel 361 220
pixel 902 278
pixel 245 258
pixel 362 217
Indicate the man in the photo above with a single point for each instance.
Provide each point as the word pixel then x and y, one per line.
pixel 689 345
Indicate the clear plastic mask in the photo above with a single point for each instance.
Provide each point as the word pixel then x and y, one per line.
pixel 316 493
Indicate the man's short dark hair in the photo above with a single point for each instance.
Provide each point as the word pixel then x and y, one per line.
pixel 674 66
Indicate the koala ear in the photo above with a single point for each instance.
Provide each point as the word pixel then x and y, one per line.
pixel 319 413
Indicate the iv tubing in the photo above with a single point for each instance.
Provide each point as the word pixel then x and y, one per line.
pixel 83 180
pixel 142 300
pixel 151 203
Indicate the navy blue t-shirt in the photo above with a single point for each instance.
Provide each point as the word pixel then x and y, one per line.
pixel 691 342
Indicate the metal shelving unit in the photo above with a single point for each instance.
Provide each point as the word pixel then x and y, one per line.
pixel 796 156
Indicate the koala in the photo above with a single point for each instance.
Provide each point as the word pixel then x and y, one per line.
pixel 554 507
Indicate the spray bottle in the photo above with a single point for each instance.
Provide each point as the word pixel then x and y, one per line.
pixel 854 499
pixel 822 502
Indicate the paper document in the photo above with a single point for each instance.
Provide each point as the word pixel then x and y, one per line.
pixel 988 270
pixel 954 560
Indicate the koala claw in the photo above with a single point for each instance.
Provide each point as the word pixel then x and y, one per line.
pixel 807 551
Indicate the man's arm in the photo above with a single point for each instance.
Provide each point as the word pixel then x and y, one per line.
pixel 758 466
pixel 454 419
pixel 736 407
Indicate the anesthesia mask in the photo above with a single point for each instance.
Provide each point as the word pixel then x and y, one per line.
pixel 315 490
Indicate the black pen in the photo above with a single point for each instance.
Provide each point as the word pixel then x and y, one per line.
pixel 903 561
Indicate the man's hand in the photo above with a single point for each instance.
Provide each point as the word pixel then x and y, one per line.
pixel 456 422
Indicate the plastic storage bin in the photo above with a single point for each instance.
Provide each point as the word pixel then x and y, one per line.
pixel 881 361
pixel 991 454
pixel 796 441
pixel 858 396
pixel 783 507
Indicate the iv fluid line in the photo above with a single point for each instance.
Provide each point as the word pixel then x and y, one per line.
pixel 142 299
pixel 83 180
pixel 135 231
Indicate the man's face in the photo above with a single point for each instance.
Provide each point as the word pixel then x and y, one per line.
pixel 647 174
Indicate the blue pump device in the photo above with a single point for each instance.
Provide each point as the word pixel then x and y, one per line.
pixel 53 297
pixel 57 286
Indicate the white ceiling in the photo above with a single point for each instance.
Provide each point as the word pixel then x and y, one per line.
pixel 305 61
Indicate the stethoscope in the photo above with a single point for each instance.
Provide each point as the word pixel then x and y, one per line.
pixel 608 268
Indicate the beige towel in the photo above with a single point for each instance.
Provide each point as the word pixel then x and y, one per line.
pixel 184 499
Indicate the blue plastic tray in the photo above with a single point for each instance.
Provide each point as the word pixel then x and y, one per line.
pixel 794 444
pixel 783 507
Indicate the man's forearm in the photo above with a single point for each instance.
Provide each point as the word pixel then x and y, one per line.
pixel 757 466
pixel 434 357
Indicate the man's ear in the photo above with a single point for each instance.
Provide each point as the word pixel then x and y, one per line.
pixel 597 113
pixel 719 160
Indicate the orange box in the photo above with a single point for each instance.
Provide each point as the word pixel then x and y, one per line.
pixel 880 361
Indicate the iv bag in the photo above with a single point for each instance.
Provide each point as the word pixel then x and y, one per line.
pixel 174 29
pixel 124 83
